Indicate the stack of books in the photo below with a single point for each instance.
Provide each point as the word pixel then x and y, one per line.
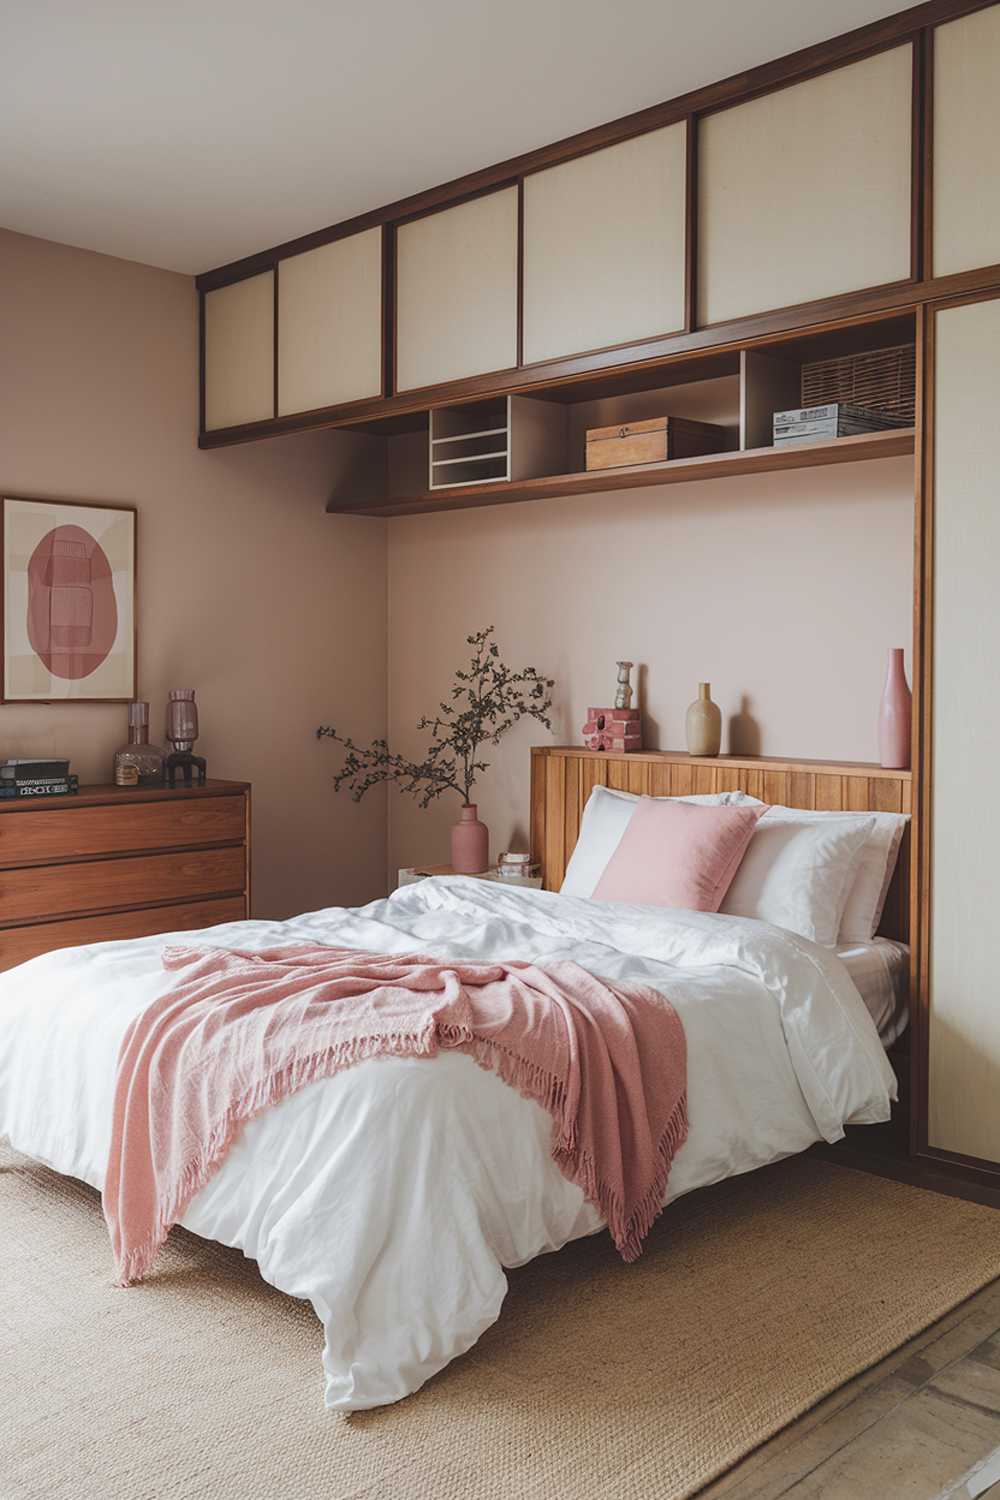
pixel 835 419
pixel 36 778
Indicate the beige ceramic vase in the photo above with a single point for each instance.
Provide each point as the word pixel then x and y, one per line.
pixel 704 723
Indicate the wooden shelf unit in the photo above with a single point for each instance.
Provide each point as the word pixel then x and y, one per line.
pixel 517 448
pixel 676 471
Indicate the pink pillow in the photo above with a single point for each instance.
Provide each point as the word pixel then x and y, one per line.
pixel 678 854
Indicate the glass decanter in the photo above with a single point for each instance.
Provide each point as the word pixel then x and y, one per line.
pixel 139 763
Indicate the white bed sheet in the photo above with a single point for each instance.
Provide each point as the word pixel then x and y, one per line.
pixel 393 1195
pixel 881 972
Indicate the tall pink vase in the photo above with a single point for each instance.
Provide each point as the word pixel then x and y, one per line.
pixel 470 842
pixel 894 717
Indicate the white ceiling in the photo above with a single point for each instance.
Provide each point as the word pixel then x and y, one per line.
pixel 187 133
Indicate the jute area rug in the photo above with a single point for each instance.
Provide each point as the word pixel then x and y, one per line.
pixel 753 1300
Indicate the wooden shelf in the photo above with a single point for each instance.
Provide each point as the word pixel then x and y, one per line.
pixel 891 444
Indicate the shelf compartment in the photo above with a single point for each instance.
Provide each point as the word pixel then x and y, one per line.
pixel 463 472
pixel 467 437
pixel 893 443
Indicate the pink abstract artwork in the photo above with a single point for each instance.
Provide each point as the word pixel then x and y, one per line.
pixel 72 614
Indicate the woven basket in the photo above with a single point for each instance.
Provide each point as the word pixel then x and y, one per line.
pixel 883 380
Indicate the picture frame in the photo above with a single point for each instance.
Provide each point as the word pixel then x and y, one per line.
pixel 67 601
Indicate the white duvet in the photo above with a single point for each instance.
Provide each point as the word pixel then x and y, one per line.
pixel 393 1195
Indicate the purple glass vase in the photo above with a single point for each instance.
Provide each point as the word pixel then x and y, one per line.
pixel 182 719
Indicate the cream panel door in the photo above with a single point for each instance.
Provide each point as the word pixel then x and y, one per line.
pixel 805 192
pixel 239 352
pixel 456 292
pixel 604 246
pixel 964 1038
pixel 330 324
pixel 966 136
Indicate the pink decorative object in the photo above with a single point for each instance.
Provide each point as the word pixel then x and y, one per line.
pixel 470 842
pixel 238 1032
pixel 895 715
pixel 677 854
pixel 614 729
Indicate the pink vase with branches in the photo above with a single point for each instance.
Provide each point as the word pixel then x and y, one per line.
pixel 486 699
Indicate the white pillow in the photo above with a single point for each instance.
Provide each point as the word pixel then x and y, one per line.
pixel 605 818
pixel 798 874
pixel 866 897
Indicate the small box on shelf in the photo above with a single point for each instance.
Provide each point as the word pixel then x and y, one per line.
pixel 655 440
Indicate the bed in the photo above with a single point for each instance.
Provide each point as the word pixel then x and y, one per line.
pixel 394 1195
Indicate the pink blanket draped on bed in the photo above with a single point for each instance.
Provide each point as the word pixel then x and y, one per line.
pixel 238 1032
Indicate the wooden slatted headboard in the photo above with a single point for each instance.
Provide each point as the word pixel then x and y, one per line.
pixel 562 778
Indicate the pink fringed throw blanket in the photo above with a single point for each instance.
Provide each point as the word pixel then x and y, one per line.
pixel 238 1032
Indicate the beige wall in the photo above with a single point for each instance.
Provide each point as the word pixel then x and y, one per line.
pixel 783 590
pixel 248 591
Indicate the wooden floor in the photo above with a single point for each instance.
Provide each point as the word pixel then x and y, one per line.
pixel 922 1425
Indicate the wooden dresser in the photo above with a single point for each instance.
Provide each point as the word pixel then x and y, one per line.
pixel 113 863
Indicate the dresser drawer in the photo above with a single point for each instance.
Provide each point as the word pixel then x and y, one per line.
pixel 39 835
pixel 18 944
pixel 59 889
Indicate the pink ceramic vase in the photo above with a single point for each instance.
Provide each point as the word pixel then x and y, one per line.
pixel 895 715
pixel 470 843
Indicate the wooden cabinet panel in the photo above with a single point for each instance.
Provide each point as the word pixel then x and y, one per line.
pixel 59 889
pixel 604 247
pixel 966 231
pixel 39 835
pixel 239 352
pixel 456 292
pixel 330 324
pixel 964 1023
pixel 805 192
pixel 18 944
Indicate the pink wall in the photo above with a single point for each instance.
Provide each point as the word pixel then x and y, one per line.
pixel 783 590
pixel 274 611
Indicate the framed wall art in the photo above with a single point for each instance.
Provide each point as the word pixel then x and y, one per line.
pixel 67 586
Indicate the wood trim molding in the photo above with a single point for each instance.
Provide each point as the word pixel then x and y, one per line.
pixel 874 37
pixel 755 331
pixel 974 1168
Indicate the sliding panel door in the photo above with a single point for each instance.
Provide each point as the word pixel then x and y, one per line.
pixel 239 352
pixel 964 1023
pixel 966 159
pixel 604 247
pixel 456 292
pixel 805 192
pixel 330 324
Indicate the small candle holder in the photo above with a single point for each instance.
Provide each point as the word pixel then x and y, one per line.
pixel 182 731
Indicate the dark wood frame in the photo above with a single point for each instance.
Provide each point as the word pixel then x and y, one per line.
pixel 77 505
pixel 971 1168
pixel 914 26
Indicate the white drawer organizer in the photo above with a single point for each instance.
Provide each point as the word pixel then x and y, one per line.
pixel 506 437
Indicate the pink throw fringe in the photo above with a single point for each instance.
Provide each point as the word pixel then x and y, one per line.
pixel 240 1032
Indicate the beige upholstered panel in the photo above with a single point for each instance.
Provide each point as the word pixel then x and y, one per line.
pixel 965 988
pixel 966 149
pixel 805 192
pixel 604 246
pixel 239 352
pixel 456 292
pixel 330 324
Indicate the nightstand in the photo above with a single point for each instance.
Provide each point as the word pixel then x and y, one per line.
pixel 413 873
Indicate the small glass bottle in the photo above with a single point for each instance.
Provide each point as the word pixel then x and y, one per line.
pixel 138 763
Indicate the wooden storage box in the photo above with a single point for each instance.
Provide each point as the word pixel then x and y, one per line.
pixel 650 442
